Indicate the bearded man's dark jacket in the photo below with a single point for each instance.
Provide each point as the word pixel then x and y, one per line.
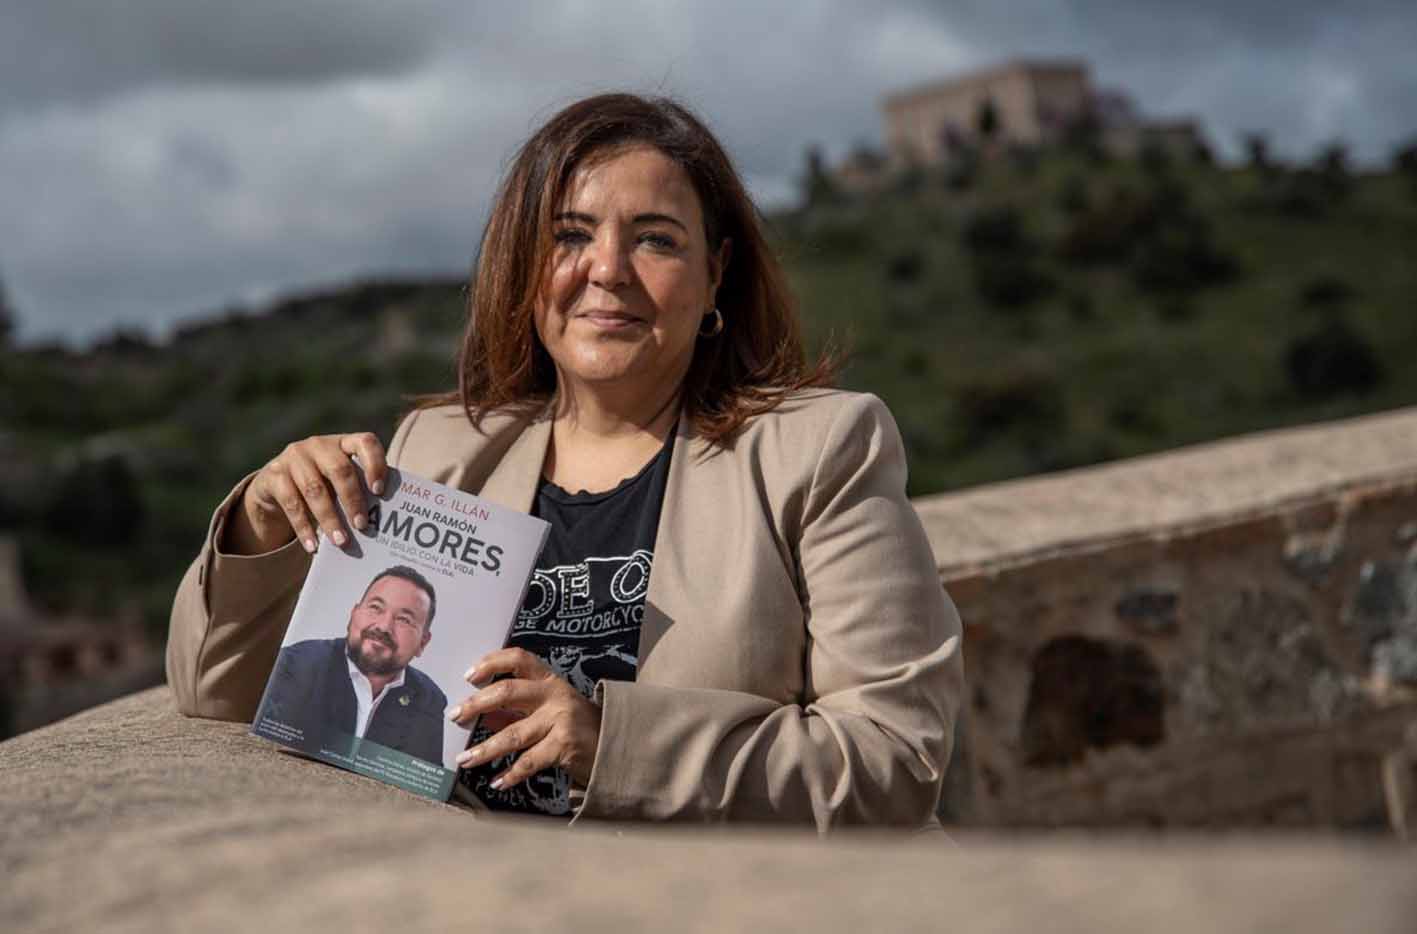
pixel 310 690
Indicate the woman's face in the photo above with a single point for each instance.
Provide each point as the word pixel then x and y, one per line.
pixel 631 276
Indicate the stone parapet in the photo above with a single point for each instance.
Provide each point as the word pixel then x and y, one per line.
pixel 1216 636
pixel 129 817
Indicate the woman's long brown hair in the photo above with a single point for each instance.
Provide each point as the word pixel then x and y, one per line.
pixel 746 370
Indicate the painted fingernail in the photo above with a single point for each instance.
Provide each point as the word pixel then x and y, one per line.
pixel 338 538
pixel 471 674
pixel 378 487
pixel 309 544
pixel 453 711
pixel 465 757
pixel 497 784
pixel 359 521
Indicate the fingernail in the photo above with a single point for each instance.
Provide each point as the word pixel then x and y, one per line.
pixel 378 487
pixel 309 544
pixel 471 674
pixel 497 784
pixel 338 537
pixel 453 711
pixel 359 521
pixel 464 757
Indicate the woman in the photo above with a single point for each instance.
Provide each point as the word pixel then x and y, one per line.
pixel 632 372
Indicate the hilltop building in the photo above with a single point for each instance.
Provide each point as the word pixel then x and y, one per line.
pixel 1033 104
pixel 1019 104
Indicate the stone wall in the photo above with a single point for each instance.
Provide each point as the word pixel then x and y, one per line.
pixel 130 817
pixel 1218 636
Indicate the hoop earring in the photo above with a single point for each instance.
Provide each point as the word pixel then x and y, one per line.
pixel 717 328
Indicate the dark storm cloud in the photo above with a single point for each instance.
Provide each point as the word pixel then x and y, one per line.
pixel 79 51
pixel 162 158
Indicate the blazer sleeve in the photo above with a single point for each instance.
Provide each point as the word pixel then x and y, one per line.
pixel 872 737
pixel 230 614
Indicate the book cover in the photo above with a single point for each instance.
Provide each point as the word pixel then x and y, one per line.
pixel 386 626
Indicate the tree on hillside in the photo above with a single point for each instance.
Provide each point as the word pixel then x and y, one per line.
pixel 1083 135
pixel 1154 157
pixel 1404 163
pixel 1257 151
pixel 102 498
pixel 7 317
pixel 1005 258
pixel 986 119
pixel 817 184
pixel 1333 169
pixel 1404 159
pixel 1332 358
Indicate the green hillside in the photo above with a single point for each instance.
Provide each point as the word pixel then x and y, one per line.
pixel 1028 313
pixel 1049 313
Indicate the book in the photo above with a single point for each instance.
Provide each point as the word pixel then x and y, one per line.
pixel 386 626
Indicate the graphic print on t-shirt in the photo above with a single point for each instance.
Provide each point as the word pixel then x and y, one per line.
pixel 584 620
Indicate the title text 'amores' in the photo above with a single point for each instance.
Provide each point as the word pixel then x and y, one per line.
pixel 450 537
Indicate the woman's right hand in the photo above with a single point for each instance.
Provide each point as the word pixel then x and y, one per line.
pixel 302 490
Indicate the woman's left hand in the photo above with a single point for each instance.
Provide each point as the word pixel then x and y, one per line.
pixel 558 726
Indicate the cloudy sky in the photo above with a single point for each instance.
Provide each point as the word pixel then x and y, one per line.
pixel 163 159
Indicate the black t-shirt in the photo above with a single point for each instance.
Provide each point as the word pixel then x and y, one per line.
pixel 583 609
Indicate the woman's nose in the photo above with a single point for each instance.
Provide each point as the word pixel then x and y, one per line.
pixel 609 263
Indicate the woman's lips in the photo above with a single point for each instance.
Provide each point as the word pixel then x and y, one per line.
pixel 609 320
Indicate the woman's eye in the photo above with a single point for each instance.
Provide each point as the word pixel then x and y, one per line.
pixel 572 236
pixel 659 241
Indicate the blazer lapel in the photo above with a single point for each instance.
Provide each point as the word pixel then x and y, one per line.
pixel 514 480
pixel 338 692
pixel 391 723
pixel 675 544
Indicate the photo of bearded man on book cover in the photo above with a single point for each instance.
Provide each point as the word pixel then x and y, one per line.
pixel 363 684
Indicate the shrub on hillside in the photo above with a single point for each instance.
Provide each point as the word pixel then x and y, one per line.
pixel 1333 171
pixel 1107 232
pixel 997 230
pixel 1180 258
pixel 1083 135
pixel 96 501
pixel 1154 158
pixel 1026 160
pixel 1332 360
pixel 836 233
pixel 1074 198
pixel 1167 244
pixel 1008 280
pixel 1404 160
pixel 1081 307
pixel 1020 400
pixel 817 185
pixel 905 266
pixel 1257 152
pixel 7 317
pixel 1006 269
pixel 1326 292
pixel 1308 193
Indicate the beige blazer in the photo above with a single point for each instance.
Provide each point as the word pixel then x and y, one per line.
pixel 799 659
